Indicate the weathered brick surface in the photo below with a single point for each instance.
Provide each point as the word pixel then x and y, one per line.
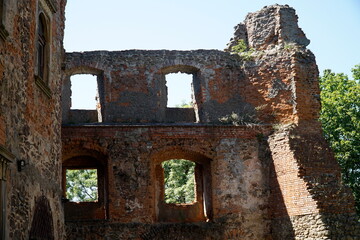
pixel 316 226
pixel 132 83
pixel 239 189
pixel 280 85
pixel 278 180
pixel 271 26
pixel 298 186
pixel 271 175
pixel 30 120
pixel 206 231
pixel 306 177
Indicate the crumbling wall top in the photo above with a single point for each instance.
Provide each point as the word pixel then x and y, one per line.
pixel 276 81
pixel 272 25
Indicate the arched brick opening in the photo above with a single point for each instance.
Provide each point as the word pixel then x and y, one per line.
pixel 183 114
pixel 43 48
pixel 98 209
pixel 201 209
pixel 43 52
pixel 82 116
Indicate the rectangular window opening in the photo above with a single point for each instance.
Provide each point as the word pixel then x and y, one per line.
pixel 82 185
pixel 84 92
pixel 179 181
pixel 179 90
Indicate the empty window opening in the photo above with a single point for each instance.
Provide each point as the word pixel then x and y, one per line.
pixel 183 187
pixel 179 90
pixel 82 185
pixel 179 181
pixel 84 92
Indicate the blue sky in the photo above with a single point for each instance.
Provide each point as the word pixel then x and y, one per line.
pixel 333 26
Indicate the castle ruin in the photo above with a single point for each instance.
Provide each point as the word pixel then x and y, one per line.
pixel 266 173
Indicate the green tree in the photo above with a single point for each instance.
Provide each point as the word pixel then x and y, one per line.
pixel 184 104
pixel 179 181
pixel 81 185
pixel 340 117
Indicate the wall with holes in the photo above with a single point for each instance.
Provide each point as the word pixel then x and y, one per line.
pixel 231 180
pixel 132 85
pixel 264 170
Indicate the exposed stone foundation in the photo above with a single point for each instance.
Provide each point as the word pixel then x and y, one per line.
pixel 317 226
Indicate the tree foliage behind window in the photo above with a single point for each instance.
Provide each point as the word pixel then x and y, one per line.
pixel 340 117
pixel 184 104
pixel 179 181
pixel 82 185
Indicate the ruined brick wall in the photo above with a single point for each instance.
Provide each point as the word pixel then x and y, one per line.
pixel 30 116
pixel 272 177
pixel 239 188
pixel 132 83
pixel 315 203
pixel 307 197
pixel 282 76
pixel 277 83
pixel 278 180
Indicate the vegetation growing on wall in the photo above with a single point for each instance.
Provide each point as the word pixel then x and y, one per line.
pixel 246 119
pixel 340 117
pixel 242 49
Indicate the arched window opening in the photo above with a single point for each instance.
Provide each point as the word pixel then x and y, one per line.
pixel 179 90
pixel 42 61
pixel 84 188
pixel 181 84
pixel 183 186
pixel 179 181
pixel 84 92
